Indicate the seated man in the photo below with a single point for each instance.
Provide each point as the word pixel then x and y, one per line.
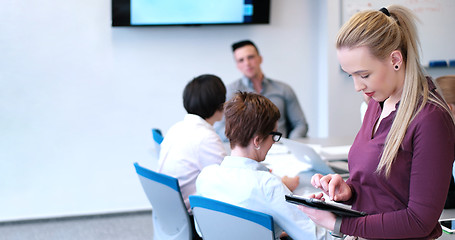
pixel 292 122
pixel 192 144
pixel 241 179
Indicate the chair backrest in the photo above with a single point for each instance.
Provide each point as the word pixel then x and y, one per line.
pixel 222 221
pixel 158 138
pixel 170 217
pixel 157 135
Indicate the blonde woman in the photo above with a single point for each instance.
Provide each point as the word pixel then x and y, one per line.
pixel 400 162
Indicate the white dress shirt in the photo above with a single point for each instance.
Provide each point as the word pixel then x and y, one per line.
pixel 188 147
pixel 249 184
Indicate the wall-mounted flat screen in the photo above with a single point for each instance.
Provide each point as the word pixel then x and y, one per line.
pixel 189 12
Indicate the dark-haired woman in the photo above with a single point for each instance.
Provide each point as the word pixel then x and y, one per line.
pixel 241 179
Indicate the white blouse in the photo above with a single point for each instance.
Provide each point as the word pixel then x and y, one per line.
pixel 249 184
pixel 188 147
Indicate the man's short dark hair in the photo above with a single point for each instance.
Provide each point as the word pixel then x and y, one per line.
pixel 243 43
pixel 204 95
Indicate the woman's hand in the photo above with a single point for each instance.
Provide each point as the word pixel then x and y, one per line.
pixel 291 182
pixel 332 185
pixel 322 218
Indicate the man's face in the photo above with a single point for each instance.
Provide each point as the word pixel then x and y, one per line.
pixel 248 61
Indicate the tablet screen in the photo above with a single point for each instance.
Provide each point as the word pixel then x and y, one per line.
pixel 322 205
pixel 448 225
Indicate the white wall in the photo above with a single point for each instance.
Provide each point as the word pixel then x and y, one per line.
pixel 343 102
pixel 78 97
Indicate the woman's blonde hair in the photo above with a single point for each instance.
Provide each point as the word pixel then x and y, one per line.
pixel 383 32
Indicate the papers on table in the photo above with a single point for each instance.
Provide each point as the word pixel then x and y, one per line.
pixel 336 151
pixel 278 148
pixel 283 163
pixel 332 153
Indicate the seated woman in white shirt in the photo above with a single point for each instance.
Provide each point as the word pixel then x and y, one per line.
pixel 241 179
pixel 192 144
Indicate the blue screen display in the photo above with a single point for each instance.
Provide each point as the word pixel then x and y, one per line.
pixel 188 12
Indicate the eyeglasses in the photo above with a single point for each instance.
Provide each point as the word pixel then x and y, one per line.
pixel 276 136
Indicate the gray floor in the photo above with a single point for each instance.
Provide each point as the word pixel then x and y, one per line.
pixel 121 226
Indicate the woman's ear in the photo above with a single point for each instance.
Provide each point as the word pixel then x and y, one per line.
pixel 257 142
pixel 397 59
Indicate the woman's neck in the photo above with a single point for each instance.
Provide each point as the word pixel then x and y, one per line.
pixel 246 152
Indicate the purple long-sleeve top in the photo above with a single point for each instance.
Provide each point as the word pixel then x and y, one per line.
pixel 409 202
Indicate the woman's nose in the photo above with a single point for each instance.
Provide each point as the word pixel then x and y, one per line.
pixel 358 84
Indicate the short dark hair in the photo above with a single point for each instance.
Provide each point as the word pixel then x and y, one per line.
pixel 204 95
pixel 242 44
pixel 247 115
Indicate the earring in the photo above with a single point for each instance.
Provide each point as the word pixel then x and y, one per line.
pixel 396 67
pixel 258 147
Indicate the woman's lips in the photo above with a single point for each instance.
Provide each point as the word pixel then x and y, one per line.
pixel 369 94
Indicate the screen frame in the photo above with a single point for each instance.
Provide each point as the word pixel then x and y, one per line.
pixel 322 205
pixel 121 15
pixel 445 225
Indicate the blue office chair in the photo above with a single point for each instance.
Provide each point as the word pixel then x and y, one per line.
pixel 157 135
pixel 158 138
pixel 170 217
pixel 222 221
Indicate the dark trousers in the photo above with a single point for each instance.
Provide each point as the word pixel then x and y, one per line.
pixel 193 227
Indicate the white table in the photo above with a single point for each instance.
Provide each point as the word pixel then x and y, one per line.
pixel 332 148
